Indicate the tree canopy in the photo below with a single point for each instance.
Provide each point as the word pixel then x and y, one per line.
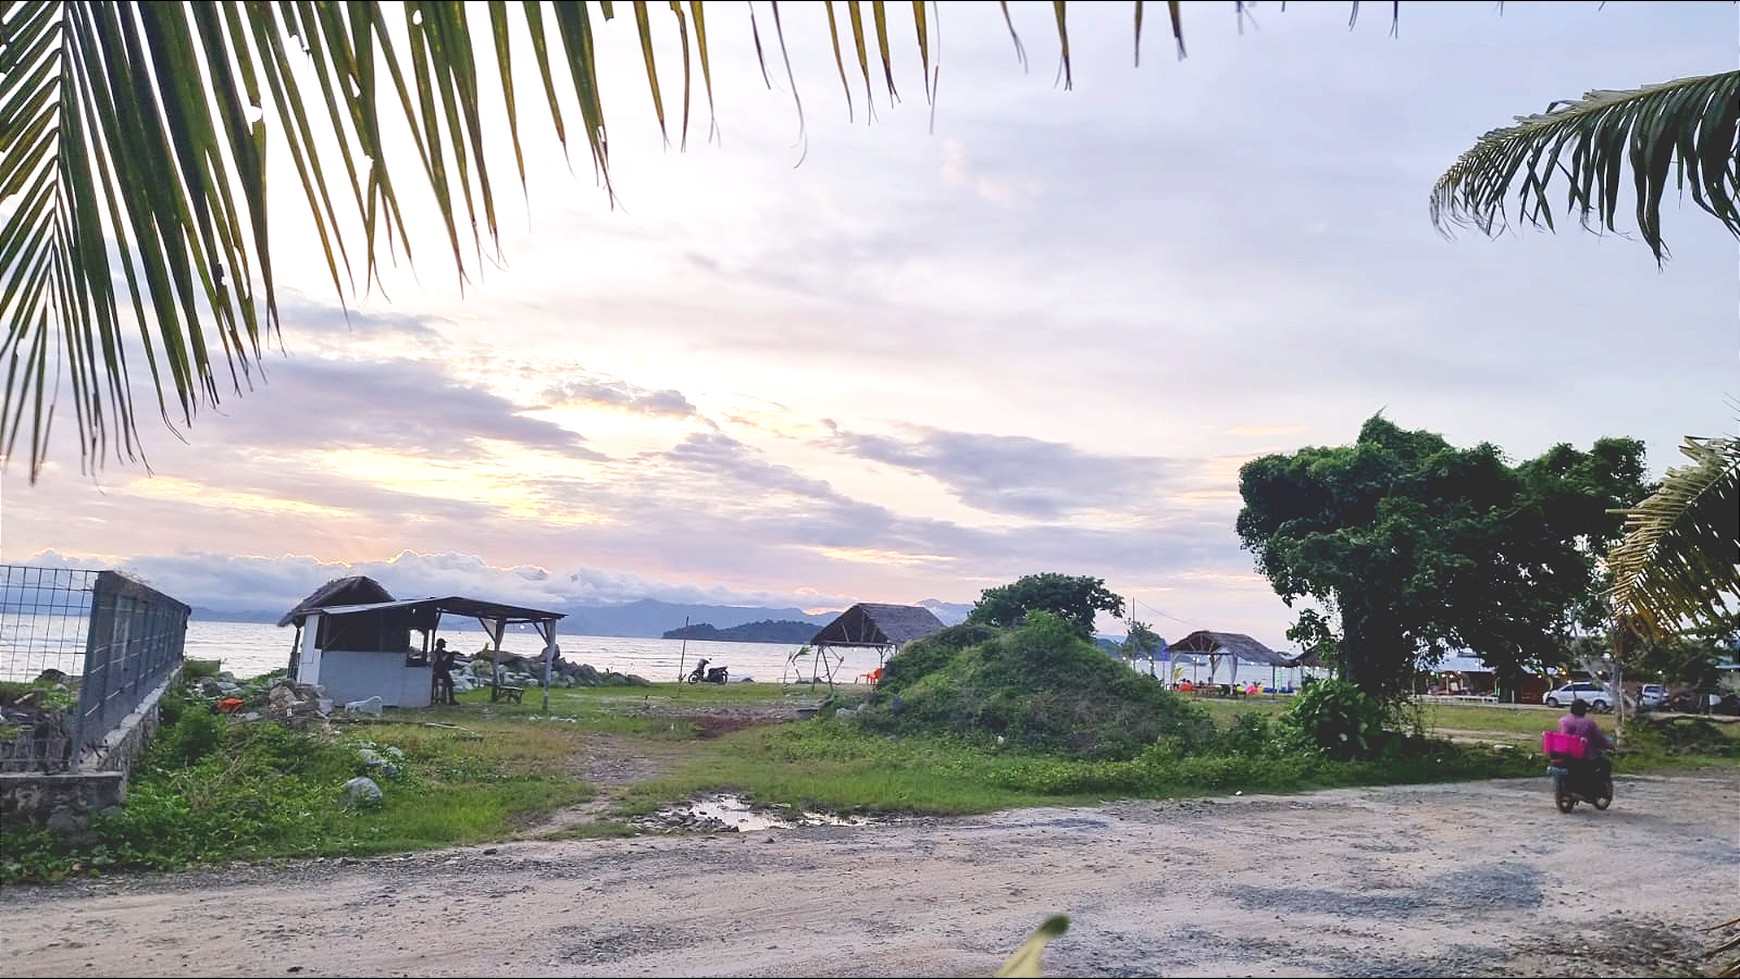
pixel 1411 545
pixel 1075 599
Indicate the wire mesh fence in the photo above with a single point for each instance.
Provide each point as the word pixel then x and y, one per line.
pixel 82 650
pixel 45 616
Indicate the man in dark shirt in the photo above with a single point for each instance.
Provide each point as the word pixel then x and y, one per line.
pixel 443 665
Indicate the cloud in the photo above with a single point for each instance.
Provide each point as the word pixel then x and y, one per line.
pixel 1022 476
pixel 619 394
pixel 403 406
pixel 958 171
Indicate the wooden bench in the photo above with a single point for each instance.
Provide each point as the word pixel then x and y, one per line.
pixel 507 692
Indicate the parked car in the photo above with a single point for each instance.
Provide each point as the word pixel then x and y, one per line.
pixel 1651 696
pixel 1594 694
pixel 1704 700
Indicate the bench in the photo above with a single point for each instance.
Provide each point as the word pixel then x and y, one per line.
pixel 507 692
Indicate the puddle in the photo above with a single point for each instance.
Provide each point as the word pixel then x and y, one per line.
pixel 729 813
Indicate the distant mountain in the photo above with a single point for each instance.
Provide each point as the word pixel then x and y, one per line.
pixel 650 618
pixel 767 630
pixel 647 618
pixel 950 613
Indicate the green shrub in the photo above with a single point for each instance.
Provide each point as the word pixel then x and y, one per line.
pixel 1681 736
pixel 1337 719
pixel 1037 687
pixel 200 669
pixel 188 731
pixel 928 655
pixel 1252 735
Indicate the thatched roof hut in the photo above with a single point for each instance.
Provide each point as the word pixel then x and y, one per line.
pixel 1234 644
pixel 1236 647
pixel 354 590
pixel 872 626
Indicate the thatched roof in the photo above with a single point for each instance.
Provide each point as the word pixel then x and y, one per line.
pixel 1235 644
pixel 354 590
pixel 878 626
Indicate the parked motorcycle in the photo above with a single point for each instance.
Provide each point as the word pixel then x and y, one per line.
pixel 1576 778
pixel 718 674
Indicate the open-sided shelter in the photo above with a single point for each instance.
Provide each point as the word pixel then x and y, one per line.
pixel 362 649
pixel 1233 648
pixel 884 628
pixel 869 625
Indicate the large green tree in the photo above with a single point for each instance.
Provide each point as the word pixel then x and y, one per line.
pixel 1077 599
pixel 1409 546
pixel 134 140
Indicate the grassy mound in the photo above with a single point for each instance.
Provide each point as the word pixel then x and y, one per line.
pixel 1039 686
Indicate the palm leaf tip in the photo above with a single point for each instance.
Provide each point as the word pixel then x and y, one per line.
pixel 1684 133
pixel 1025 961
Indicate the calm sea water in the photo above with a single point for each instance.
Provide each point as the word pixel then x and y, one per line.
pixel 250 649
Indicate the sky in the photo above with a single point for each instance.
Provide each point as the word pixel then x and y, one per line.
pixel 1032 329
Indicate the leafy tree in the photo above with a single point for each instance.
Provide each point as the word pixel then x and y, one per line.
pixel 1142 642
pixel 1075 599
pixel 133 142
pixel 1410 545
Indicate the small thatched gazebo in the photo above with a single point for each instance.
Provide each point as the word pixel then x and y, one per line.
pixel 868 625
pixel 1234 647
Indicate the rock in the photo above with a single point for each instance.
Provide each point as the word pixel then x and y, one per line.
pixel 211 688
pixel 586 675
pixel 373 759
pixel 282 697
pixel 361 791
pixel 635 680
pixel 846 714
pixel 371 706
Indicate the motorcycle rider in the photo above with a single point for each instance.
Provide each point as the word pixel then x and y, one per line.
pixel 1579 724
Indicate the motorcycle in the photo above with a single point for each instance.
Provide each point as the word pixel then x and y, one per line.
pixel 718 674
pixel 1576 778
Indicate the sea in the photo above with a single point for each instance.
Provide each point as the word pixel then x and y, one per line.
pixel 250 649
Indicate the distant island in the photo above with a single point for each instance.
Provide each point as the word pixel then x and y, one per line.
pixel 767 630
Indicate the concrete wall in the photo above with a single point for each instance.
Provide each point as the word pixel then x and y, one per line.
pixel 64 803
pixel 350 675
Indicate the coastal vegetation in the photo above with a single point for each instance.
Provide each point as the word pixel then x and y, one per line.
pixel 767 630
pixel 1402 546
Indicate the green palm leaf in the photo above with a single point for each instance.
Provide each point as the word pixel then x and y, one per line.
pixel 133 147
pixel 1684 132
pixel 1679 561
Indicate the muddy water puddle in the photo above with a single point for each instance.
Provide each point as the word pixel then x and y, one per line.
pixel 730 813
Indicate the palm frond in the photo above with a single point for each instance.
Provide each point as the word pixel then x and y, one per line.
pixel 1685 133
pixel 133 141
pixel 1679 561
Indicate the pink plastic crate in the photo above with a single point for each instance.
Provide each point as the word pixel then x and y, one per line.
pixel 1555 743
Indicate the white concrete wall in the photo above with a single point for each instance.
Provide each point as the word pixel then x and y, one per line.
pixel 349 675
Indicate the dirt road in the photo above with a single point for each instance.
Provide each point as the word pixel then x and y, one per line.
pixel 1472 879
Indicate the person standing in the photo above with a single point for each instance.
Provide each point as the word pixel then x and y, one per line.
pixel 443 664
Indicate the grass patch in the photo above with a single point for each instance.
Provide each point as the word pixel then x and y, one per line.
pixel 210 792
pixel 843 768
